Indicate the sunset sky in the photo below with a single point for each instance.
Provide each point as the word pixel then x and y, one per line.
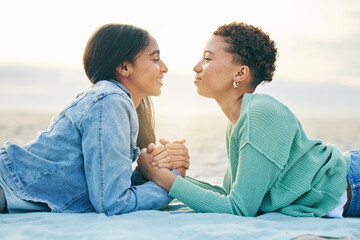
pixel 318 40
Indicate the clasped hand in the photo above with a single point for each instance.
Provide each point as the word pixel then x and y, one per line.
pixel 170 155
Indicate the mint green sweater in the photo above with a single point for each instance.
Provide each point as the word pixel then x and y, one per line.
pixel 272 166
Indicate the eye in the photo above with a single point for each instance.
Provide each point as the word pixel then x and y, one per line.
pixel 206 59
pixel 156 60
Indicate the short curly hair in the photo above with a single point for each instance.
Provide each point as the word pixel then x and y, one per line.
pixel 251 46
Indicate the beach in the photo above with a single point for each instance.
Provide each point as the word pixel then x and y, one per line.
pixel 204 134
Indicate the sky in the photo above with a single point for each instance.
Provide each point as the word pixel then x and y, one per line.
pixel 42 43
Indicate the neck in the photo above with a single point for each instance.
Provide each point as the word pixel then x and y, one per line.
pixel 230 104
pixel 136 100
pixel 134 94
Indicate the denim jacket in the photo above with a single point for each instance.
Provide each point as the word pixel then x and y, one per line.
pixel 83 161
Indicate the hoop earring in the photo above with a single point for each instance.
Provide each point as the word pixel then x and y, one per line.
pixel 235 84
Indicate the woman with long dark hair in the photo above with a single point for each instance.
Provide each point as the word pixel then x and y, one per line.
pixel 83 161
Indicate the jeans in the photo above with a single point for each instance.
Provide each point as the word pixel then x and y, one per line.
pixel 17 205
pixel 354 180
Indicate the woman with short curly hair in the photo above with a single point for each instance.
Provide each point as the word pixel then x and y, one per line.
pixel 272 165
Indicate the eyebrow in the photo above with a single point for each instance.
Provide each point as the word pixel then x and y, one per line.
pixel 208 51
pixel 157 51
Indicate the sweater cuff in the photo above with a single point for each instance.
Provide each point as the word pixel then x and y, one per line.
pixel 178 187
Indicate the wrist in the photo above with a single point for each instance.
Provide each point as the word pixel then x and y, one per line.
pixel 182 171
pixel 165 179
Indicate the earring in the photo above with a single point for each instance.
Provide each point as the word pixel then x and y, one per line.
pixel 127 74
pixel 235 84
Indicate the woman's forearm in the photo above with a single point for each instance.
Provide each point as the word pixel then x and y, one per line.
pixel 165 179
pixel 161 176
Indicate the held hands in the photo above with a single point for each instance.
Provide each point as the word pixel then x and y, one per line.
pixel 145 167
pixel 155 162
pixel 171 155
pixel 161 176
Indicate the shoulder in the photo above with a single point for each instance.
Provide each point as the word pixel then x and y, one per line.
pixel 106 98
pixel 104 93
pixel 107 88
pixel 271 127
pixel 265 111
pixel 263 104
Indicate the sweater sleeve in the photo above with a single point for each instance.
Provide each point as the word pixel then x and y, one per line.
pixel 207 186
pixel 255 176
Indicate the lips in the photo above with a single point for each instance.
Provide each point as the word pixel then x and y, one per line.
pixel 159 80
pixel 197 79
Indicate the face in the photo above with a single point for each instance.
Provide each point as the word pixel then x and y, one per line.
pixel 215 71
pixel 147 72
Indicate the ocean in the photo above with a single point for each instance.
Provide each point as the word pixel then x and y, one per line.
pixel 204 134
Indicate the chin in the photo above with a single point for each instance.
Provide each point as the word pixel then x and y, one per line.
pixel 202 93
pixel 158 93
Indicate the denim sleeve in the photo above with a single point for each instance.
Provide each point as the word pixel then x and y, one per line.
pixel 137 178
pixel 106 143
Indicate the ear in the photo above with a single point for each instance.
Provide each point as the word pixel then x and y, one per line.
pixel 124 69
pixel 243 73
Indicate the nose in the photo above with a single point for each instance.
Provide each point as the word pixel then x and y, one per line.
pixel 197 68
pixel 163 67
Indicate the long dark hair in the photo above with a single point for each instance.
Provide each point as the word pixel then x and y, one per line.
pixel 109 47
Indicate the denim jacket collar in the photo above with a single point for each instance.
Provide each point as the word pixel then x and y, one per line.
pixel 120 85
